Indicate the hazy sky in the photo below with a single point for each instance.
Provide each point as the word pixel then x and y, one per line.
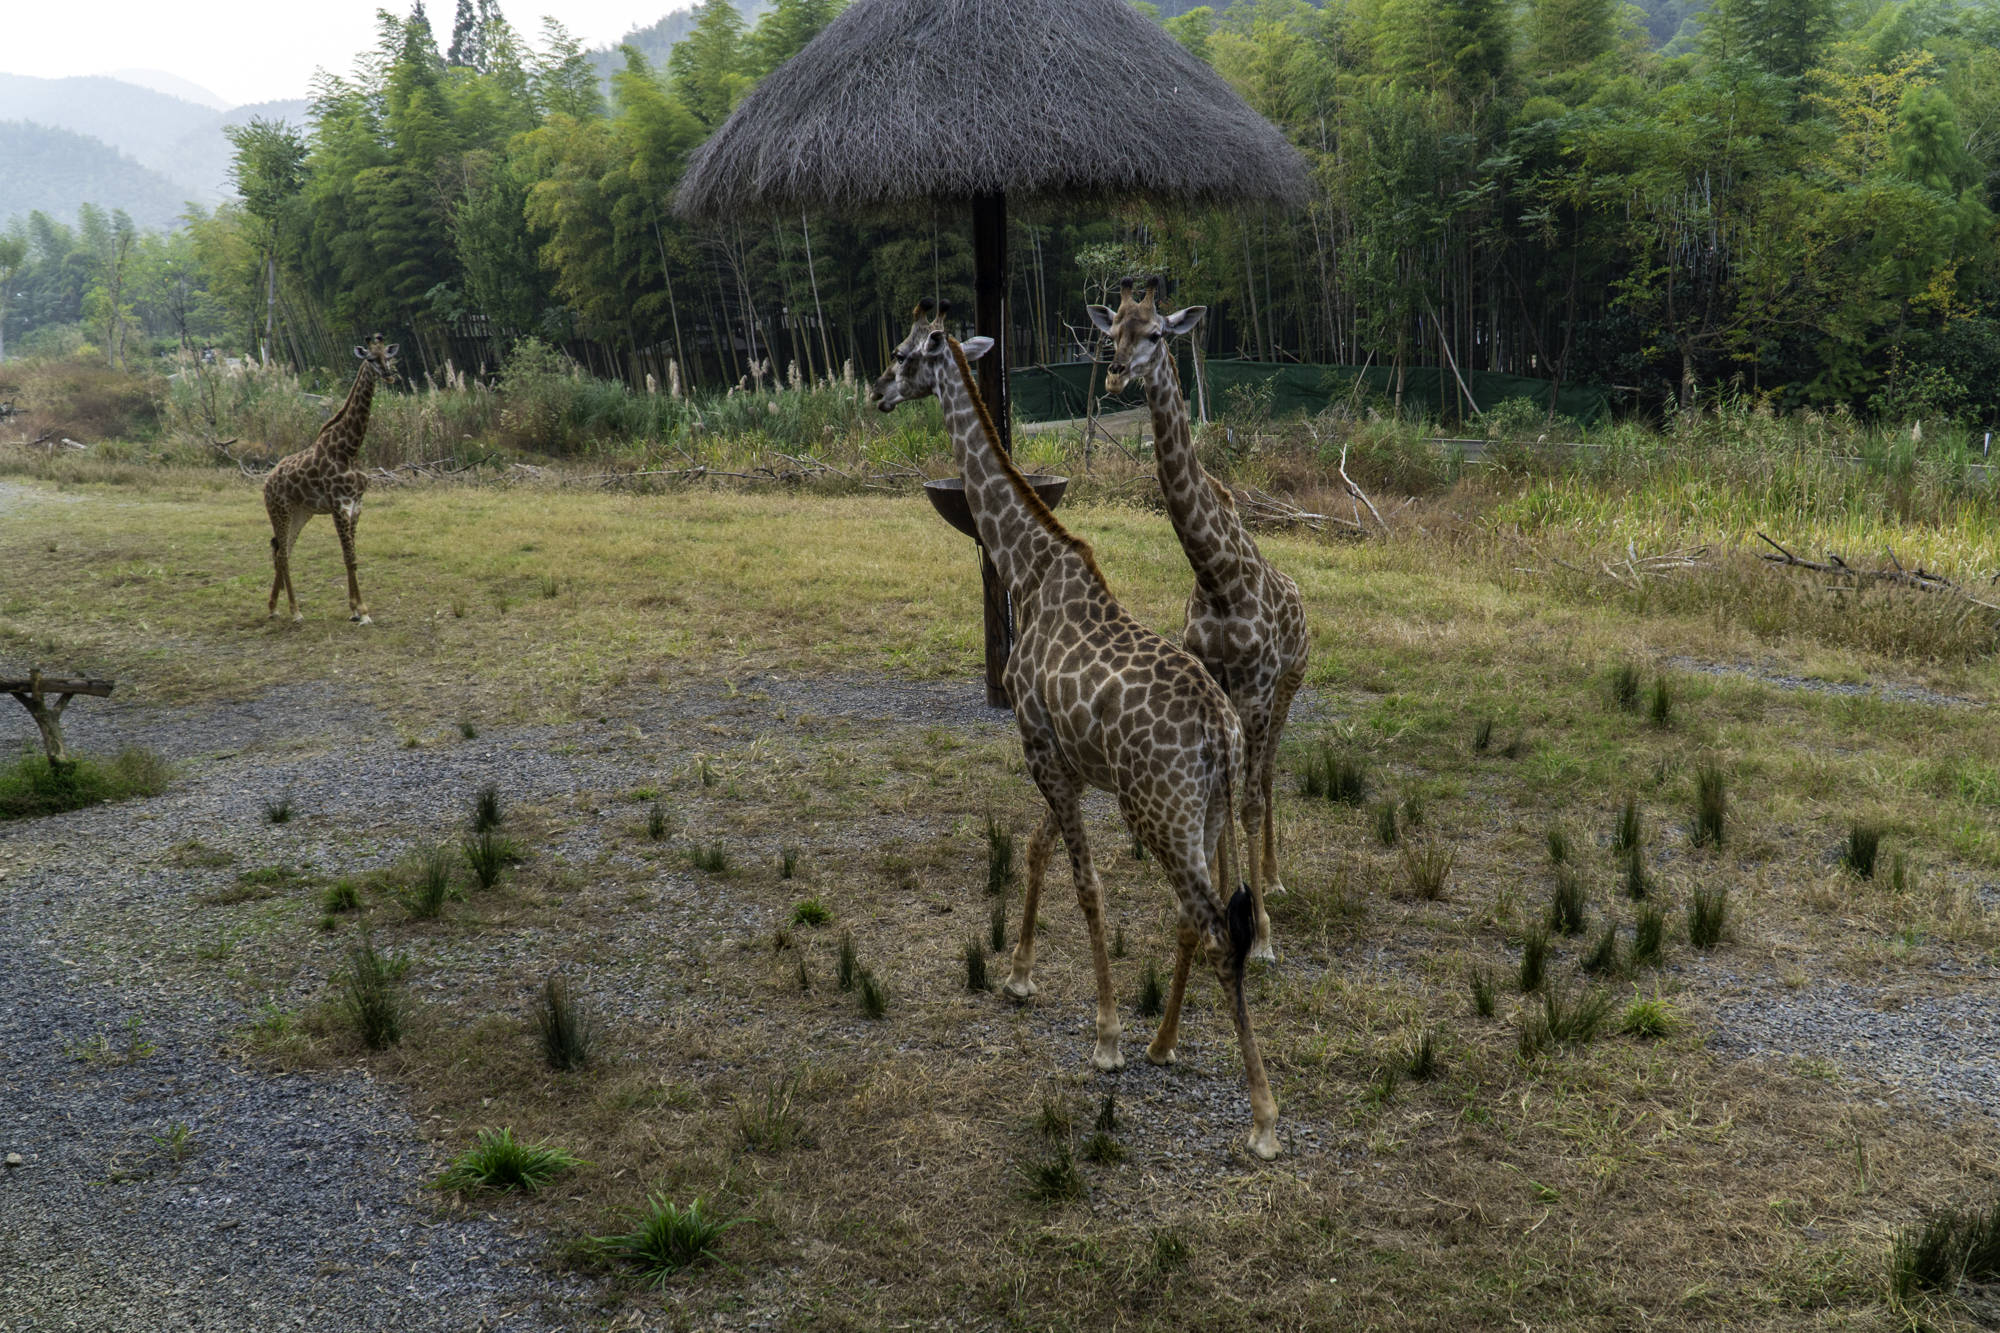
pixel 256 50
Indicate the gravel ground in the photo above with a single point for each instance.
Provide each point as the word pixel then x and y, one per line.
pixel 1909 694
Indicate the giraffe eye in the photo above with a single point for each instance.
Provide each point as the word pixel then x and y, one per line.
pixel 1154 336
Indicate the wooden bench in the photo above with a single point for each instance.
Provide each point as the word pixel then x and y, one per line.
pixel 33 695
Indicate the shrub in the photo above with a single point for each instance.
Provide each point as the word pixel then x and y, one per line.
pixel 668 1238
pixel 1711 804
pixel 30 787
pixel 371 994
pixel 1863 843
pixel 1708 915
pixel 499 1161
pixel 1569 903
pixel 567 1030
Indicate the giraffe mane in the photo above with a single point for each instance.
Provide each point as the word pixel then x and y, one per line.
pixel 1040 511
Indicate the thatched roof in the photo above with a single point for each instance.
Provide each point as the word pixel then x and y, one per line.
pixel 905 100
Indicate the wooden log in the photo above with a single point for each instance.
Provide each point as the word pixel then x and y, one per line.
pixel 33 693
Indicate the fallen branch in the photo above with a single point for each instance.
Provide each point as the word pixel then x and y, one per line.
pixel 1920 578
pixel 1258 507
pixel 1356 491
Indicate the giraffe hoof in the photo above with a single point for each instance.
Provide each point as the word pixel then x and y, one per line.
pixel 1019 988
pixel 1108 1060
pixel 361 619
pixel 1275 890
pixel 1264 953
pixel 1157 1057
pixel 1264 1141
pixel 298 617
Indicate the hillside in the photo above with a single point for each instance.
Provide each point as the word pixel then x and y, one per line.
pixel 657 38
pixel 167 135
pixel 54 170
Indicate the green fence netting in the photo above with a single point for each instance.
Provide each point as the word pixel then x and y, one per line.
pixel 1060 393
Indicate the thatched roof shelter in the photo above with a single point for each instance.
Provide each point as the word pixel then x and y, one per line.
pixel 904 100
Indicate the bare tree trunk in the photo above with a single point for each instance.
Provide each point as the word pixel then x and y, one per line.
pixel 819 314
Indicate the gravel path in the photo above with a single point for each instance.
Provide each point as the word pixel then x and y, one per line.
pixel 1909 694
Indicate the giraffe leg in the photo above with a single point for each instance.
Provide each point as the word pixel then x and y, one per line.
pixel 282 542
pixel 1021 984
pixel 1090 896
pixel 1263 1106
pixel 1255 809
pixel 1266 773
pixel 1161 1052
pixel 346 514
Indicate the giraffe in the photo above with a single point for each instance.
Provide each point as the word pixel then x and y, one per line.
pixel 1245 620
pixel 323 479
pixel 1103 702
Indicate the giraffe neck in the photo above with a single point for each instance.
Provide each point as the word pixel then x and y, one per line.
pixel 341 436
pixel 1019 533
pixel 1203 516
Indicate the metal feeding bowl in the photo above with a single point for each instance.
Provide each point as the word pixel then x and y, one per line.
pixel 948 498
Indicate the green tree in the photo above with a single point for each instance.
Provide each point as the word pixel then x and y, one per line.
pixel 709 67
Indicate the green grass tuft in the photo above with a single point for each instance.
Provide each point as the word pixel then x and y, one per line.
pixel 425 884
pixel 656 823
pixel 811 912
pixel 1559 848
pixel 1569 903
pixel 487 855
pixel 1426 868
pixel 1708 916
pixel 769 1121
pixel 1602 960
pixel 1625 686
pixel 1628 834
pixel 1054 1178
pixel 668 1238
pixel 499 1161
pixel 567 1030
pixel 1648 1016
pixel 343 895
pixel 1649 936
pixel 874 996
pixel 278 811
pixel 1482 735
pixel 1944 1249
pixel 371 994
pixel 1711 804
pixel 1638 885
pixel 1481 982
pixel 1386 831
pixel 847 969
pixel 30 788
pixel 1534 959
pixel 999 857
pixel 486 811
pixel 1334 776
pixel 1152 995
pixel 1420 1064
pixel 996 927
pixel 788 862
pixel 1864 842
pixel 976 979
pixel 712 859
pixel 1660 704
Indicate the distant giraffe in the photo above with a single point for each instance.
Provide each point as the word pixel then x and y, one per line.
pixel 323 479
pixel 1104 702
pixel 1245 621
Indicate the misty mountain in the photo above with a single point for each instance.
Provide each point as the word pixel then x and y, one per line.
pixel 167 135
pixel 656 39
pixel 55 170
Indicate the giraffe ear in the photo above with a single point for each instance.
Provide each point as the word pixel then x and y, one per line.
pixel 391 350
pixel 976 347
pixel 361 354
pixel 934 344
pixel 1102 317
pixel 1183 321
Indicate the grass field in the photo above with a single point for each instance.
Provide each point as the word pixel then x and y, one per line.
pixel 908 1171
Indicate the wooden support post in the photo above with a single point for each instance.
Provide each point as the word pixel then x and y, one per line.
pixel 32 694
pixel 989 320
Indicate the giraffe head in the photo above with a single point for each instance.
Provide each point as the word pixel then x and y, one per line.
pixel 1138 331
pixel 920 360
pixel 379 357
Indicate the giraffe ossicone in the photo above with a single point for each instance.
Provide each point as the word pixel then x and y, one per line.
pixel 1101 701
pixel 1246 621
pixel 324 478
